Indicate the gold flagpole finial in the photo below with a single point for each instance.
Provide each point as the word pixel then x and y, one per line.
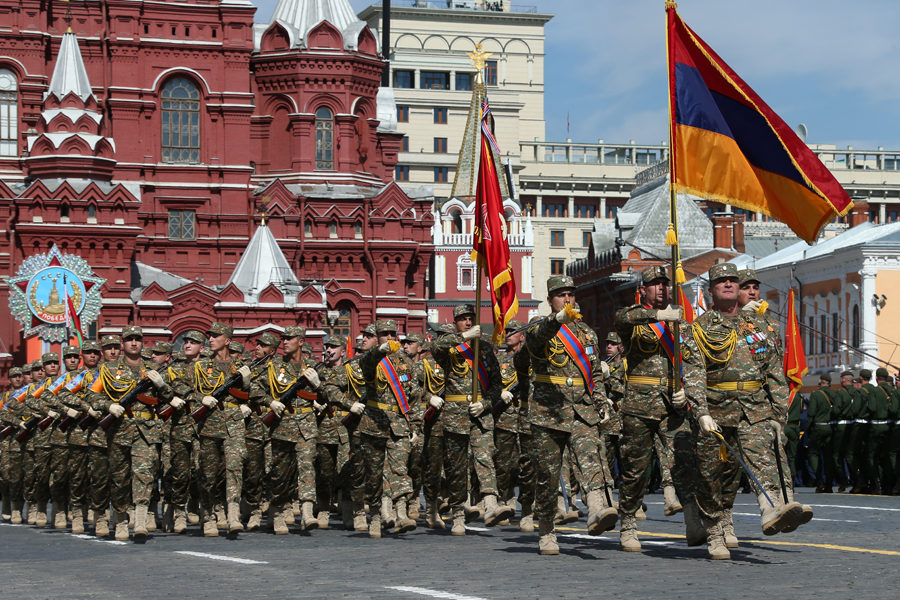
pixel 479 57
pixel 670 4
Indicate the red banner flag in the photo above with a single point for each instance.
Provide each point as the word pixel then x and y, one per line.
pixel 730 147
pixel 490 245
pixel 72 321
pixel 688 308
pixel 794 356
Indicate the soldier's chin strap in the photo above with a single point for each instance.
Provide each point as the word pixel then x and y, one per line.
pixel 746 468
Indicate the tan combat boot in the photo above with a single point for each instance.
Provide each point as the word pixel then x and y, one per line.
pixel 295 507
pixel 443 506
pixel 413 508
pixel 289 514
pixel 433 518
pixel 210 529
pixel 140 522
pixel 59 516
pixel 640 514
pixel 179 520
pixel 77 519
pixel 277 518
pixel 404 523
pixel 562 517
pixel 40 519
pixel 101 523
pixel 90 516
pixel 473 513
pixel 628 539
pixel 375 526
pixel 151 517
pixel 234 518
pixel 16 515
pixel 727 525
pixel 600 516
pixel 715 540
pixel 323 518
pixel 496 512
pixel 526 522
pixel 308 521
pixel 387 513
pixel 220 516
pixel 547 543
pixel 459 521
pixel 805 517
pixel 695 532
pixel 121 526
pixel 780 518
pixel 359 517
pixel 672 506
pixel 32 513
pixel 193 514
pixel 255 519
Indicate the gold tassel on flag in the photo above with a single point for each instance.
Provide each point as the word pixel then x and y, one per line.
pixel 671 238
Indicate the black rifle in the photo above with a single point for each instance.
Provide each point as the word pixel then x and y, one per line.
pixel 221 392
pixel 128 400
pixel 288 397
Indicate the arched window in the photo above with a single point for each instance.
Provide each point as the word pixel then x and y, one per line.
pixel 324 140
pixel 180 122
pixel 856 326
pixel 456 222
pixel 9 114
pixel 343 323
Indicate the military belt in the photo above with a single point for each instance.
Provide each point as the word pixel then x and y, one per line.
pixel 735 386
pixel 829 423
pixel 880 422
pixel 142 415
pixel 652 381
pixel 524 404
pixel 232 405
pixel 305 409
pixel 861 422
pixel 382 406
pixel 793 423
pixel 458 397
pixel 845 422
pixel 555 379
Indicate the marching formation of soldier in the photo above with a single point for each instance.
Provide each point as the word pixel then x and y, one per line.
pixel 241 441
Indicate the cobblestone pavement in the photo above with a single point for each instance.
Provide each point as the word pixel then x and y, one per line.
pixel 850 550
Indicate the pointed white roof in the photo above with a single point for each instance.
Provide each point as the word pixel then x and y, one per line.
pixel 262 264
pixel 299 17
pixel 69 74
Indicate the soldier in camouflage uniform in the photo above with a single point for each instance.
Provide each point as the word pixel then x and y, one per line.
pixel 467 423
pixel 293 435
pixel 255 436
pixel 614 386
pixel 180 478
pixel 332 444
pixel 385 431
pixel 412 346
pixel 568 405
pixel 11 451
pixel 746 395
pixel 879 429
pixel 236 350
pixel 33 374
pixel 42 376
pixel 222 446
pixel 430 378
pixel 134 436
pixel 652 408
pixel 819 423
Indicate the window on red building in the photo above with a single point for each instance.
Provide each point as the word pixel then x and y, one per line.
pixel 181 224
pixel 180 122
pixel 324 140
pixel 9 114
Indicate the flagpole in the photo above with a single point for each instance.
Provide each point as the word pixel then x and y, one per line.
pixel 672 235
pixel 476 361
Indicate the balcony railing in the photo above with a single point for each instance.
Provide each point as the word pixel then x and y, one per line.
pixel 465 239
pixel 482 5
pixel 592 154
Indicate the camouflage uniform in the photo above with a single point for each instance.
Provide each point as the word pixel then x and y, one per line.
pixel 430 378
pixel 415 467
pixel 255 438
pixel 11 451
pixel 39 444
pixel 71 396
pixel 180 478
pixel 332 443
pixel 506 430
pixel 614 387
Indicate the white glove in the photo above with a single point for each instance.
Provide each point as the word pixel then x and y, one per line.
pixel 679 399
pixel 277 407
pixel 473 333
pixel 312 377
pixel 670 313
pixel 318 407
pixel 778 430
pixel 156 379
pixel 94 413
pixel 603 409
pixel 476 408
pixel 72 413
pixel 176 403
pixel 506 396
pixel 437 402
pixel 116 410
pixel 566 315
pixel 52 414
pixel 245 375
pixel 413 436
pixel 604 366
pixel 209 402
pixel 245 410
pixel 707 424
pixel 357 408
pixel 389 347
pixel 752 306
pixel 22 425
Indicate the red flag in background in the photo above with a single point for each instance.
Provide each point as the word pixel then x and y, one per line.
pixel 490 246
pixel 349 352
pixel 684 302
pixel 794 356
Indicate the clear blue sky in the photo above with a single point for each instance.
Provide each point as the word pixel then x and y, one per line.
pixel 832 65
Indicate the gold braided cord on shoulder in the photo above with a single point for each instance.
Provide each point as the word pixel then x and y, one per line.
pixel 709 344
pixel 458 363
pixel 205 384
pixel 357 383
pixel 276 388
pixel 646 340
pixel 115 388
pixel 555 348
pixel 434 383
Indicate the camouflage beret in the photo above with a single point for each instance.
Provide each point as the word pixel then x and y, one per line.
pixel 825 377
pixel 90 346
pixel 370 329
pixel 162 348
pixel 746 276
pixel 463 309
pixel 447 328
pixel 292 331
pixel 882 372
pixel 220 329
pixel 613 338
pixel 26 368
pixel 147 353
pixel 49 357
pixel 37 364
pixel 235 347
pixel 110 340
pixel 132 331
pixel 514 324
pixel 383 325
pixel 560 282
pixel 334 340
pixel 15 371
pixel 196 336
pixel 306 348
pixel 722 271
pixel 650 274
pixel 269 339
pixel 415 337
pixel 847 374
pixel 865 374
pixel 179 356
pixel 71 351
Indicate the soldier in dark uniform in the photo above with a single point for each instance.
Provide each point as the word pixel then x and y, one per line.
pixel 841 413
pixel 857 446
pixel 888 459
pixel 819 423
pixel 879 429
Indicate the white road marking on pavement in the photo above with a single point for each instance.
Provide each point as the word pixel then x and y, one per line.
pixel 814 518
pixel 470 528
pixel 433 593
pixel 840 506
pixel 243 561
pixel 92 538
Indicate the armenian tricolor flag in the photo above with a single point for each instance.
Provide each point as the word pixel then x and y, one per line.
pixel 729 146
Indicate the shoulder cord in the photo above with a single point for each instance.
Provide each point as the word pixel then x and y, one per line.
pixel 715 344
pixel 433 382
pixel 205 384
pixel 356 383
pixel 276 387
pixel 113 388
